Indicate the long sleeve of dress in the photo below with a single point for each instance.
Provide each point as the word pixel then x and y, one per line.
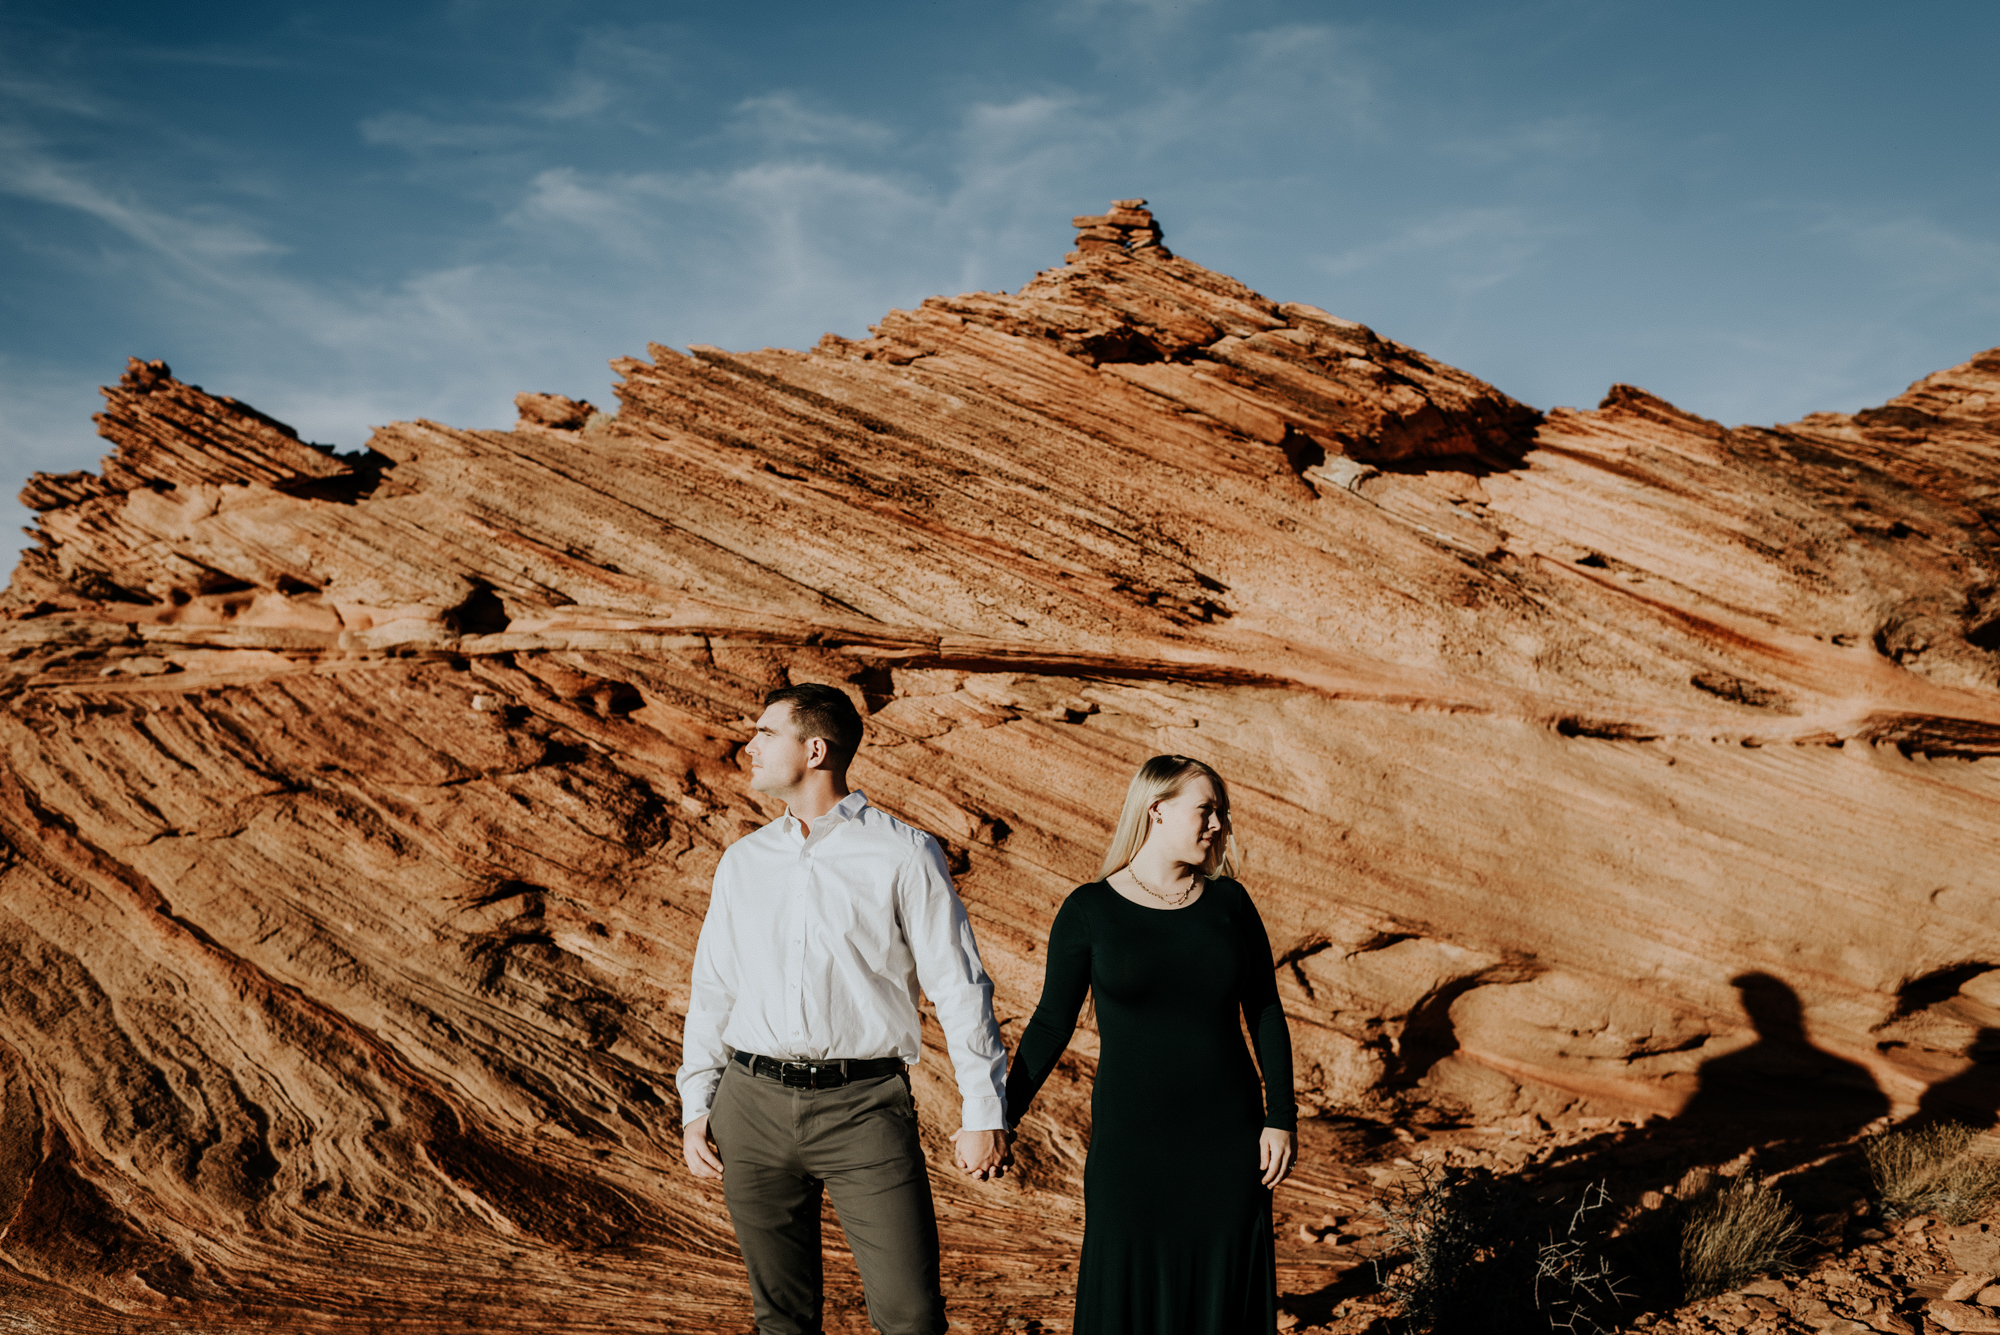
pixel 1264 1015
pixel 1064 988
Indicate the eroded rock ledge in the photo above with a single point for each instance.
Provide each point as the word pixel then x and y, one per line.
pixel 359 809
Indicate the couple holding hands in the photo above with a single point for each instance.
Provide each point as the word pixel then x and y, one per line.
pixel 802 1019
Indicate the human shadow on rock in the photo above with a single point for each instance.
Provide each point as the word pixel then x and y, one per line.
pixel 1792 1108
pixel 1973 1095
pixel 1790 1105
pixel 1781 1096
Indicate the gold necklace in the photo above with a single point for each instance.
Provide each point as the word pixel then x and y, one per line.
pixel 1186 894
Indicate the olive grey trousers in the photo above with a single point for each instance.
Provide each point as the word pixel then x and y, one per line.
pixel 780 1148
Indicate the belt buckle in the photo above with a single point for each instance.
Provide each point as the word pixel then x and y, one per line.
pixel 811 1075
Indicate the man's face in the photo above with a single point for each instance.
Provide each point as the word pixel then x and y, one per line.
pixel 778 755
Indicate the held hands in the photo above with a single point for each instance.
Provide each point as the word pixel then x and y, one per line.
pixel 983 1155
pixel 1274 1155
pixel 703 1158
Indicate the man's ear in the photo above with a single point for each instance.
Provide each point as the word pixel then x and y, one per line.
pixel 816 753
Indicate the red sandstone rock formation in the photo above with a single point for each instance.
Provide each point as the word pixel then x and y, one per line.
pixel 359 810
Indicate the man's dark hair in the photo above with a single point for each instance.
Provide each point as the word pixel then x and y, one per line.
pixel 824 712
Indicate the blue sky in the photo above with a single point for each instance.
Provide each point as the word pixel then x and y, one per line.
pixel 357 213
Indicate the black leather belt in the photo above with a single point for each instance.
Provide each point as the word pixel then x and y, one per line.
pixel 830 1074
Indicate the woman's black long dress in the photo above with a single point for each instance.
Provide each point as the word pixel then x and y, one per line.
pixel 1177 1223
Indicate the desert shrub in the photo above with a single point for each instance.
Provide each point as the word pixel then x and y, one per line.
pixel 1480 1253
pixel 1575 1283
pixel 1931 1169
pixel 1732 1230
pixel 1447 1224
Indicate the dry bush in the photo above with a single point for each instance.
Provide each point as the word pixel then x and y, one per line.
pixel 1931 1170
pixel 1575 1282
pixel 1732 1230
pixel 1479 1252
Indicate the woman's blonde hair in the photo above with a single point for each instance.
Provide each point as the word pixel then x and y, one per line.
pixel 1159 779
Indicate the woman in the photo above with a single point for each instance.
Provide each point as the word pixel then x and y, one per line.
pixel 1184 1147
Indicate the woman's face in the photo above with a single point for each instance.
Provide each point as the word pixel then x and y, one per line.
pixel 1188 823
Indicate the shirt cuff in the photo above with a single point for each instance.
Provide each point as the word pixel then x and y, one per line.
pixel 698 1095
pixel 988 1113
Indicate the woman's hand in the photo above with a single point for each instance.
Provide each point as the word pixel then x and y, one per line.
pixel 982 1154
pixel 1274 1155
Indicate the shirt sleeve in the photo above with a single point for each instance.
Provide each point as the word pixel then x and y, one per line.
pixel 711 996
pixel 1064 987
pixel 1264 1015
pixel 948 969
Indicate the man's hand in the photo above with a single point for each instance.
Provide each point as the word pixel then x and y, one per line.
pixel 704 1159
pixel 983 1154
pixel 1274 1155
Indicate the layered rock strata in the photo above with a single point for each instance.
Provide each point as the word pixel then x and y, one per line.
pixel 1128 227
pixel 359 809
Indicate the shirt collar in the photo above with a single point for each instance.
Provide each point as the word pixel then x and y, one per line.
pixel 843 811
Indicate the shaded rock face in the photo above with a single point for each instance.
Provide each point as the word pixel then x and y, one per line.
pixel 359 810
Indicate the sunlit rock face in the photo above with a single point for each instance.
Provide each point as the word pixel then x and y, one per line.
pixel 359 810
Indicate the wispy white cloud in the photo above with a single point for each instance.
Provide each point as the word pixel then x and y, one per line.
pixel 28 170
pixel 1312 70
pixel 1163 9
pixel 781 121
pixel 212 56
pixel 1476 248
pixel 1135 25
pixel 1561 138
pixel 1919 251
pixel 579 96
pixel 599 80
pixel 776 236
pixel 45 94
pixel 417 133
pixel 605 213
pixel 333 358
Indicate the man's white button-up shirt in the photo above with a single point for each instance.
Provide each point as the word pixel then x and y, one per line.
pixel 814 948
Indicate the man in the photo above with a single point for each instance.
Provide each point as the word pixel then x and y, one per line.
pixel 802 1021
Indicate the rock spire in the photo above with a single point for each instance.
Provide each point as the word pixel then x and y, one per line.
pixel 1126 228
